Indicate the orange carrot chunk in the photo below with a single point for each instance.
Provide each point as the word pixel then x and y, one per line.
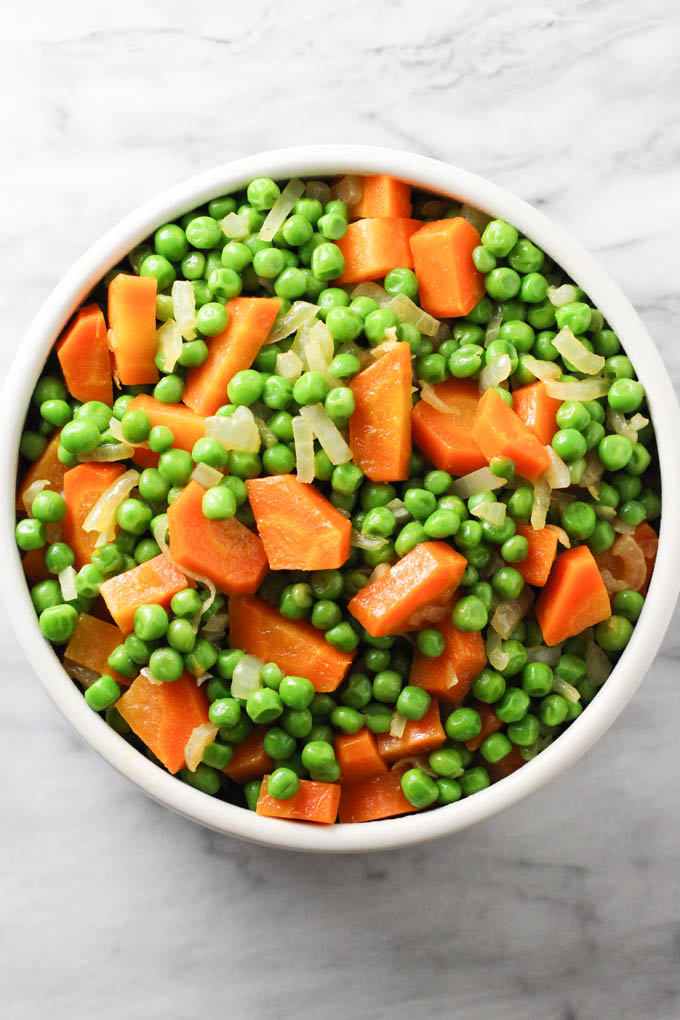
pixel 535 569
pixel 382 195
pixel 506 766
pixel 450 676
pixel 250 320
pixel 83 486
pixel 299 527
pixel 498 432
pixel 132 320
pixel 164 716
pixel 157 580
pixel 490 724
pixel 537 409
pixel 92 642
pixel 371 799
pixel 84 356
pixel 371 247
pixel 445 438
pixel 417 588
pixel 448 282
pixel 34 566
pixel 186 426
pixel 358 757
pixel 380 425
pixel 227 552
pixel 47 467
pixel 314 802
pixel 420 737
pixel 294 645
pixel 249 760
pixel 574 597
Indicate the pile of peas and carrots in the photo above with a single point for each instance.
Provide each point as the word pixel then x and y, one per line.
pixel 337 498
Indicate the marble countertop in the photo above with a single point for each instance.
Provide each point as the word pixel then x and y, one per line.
pixel 566 907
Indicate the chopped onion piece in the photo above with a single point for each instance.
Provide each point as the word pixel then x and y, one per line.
pixel 541 653
pixel 416 761
pixel 611 583
pixel 199 739
pixel 482 480
pixel 408 311
pixel 288 365
pixel 102 516
pixel 493 513
pixel 282 206
pixel 327 433
pixel 234 226
pixel 108 453
pixel 604 513
pixel 398 508
pixel 81 674
pixel 373 291
pixel 246 679
pixel 362 541
pixel 558 296
pixel 67 583
pixel 203 678
pixel 320 332
pixel 348 189
pixel 184 307
pixel 508 614
pixel 621 528
pixel 567 690
pixel 216 624
pixel 562 536
pixel 378 571
pixel 497 371
pixel 206 476
pixel 626 549
pixel 116 431
pixel 146 672
pixel 583 389
pixel 649 545
pixel 557 475
pixel 543 370
pixel 160 534
pixel 618 423
pixel 638 422
pixel 451 678
pixel 571 348
pixel 386 346
pixel 304 449
pixel 476 217
pixel 349 347
pixel 494 650
pixel 428 394
pixel 267 437
pixel 598 666
pixel 238 431
pixel 493 326
pixel 593 472
pixel 398 724
pixel 318 190
pixel 315 360
pixel 32 491
pixel 287 324
pixel 541 504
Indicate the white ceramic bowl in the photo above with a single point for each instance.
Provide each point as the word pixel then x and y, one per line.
pixel 439 177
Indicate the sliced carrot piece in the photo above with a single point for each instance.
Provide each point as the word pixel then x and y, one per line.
pixel 382 195
pixel 506 766
pixel 314 802
pixel 84 356
pixel 537 409
pixel 164 716
pixel 132 320
pixel 83 486
pixel 574 597
pixel 227 552
pixel 498 432
pixel 448 282
pixel 446 439
pixel 92 642
pixel 155 581
pixel 294 645
pixel 535 569
pixel 371 247
pixel 34 566
pixel 417 588
pixel 450 676
pixel 250 320
pixel 47 467
pixel 358 757
pixel 299 527
pixel 371 799
pixel 186 426
pixel 420 737
pixel 249 760
pixel 490 724
pixel 380 425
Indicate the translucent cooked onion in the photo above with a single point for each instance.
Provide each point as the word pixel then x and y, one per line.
pixel 557 475
pixel 408 311
pixel 543 370
pixel 593 472
pixel 246 679
pixel 482 480
pixel 267 437
pixel 349 347
pixel 476 217
pixel 327 433
pixel 541 653
pixel 497 371
pixel 567 690
pixel 621 528
pixel 378 571
pixel 583 389
pixel 509 613
pixel 313 356
pixel 443 333
pixel 32 491
pixel 238 431
pixel 206 476
pixel 564 295
pixel 362 541
pixel 160 534
pixel 146 672
pixel 627 550
pixel 215 625
pixel 623 426
pixel 492 513
pixel 319 190
pixel 571 348
pixel 203 678
pixel 184 308
pixel 386 346
pixel 398 724
pixel 102 516
pixel 199 739
pixel 415 761
pixel 611 583
pixel 428 394
pixel 493 326
pixel 451 678
pixel 234 226
pixel 288 323
pixel 494 650
pixel 320 333
pixel 303 438
pixel 541 504
pixel 598 666
pixel 373 291
pixel 562 536
pixel 67 583
pixel 288 365
pixel 81 674
pixel 398 508
pixel 282 206
pixel 108 453
pixel 348 189
pixel 114 427
pixel 649 545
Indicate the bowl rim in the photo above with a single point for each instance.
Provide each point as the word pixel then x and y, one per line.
pixel 309 161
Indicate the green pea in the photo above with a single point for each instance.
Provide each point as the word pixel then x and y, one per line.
pixel 483 259
pixel 419 789
pixel 602 537
pixel 58 623
pixel 525 257
pixel 575 315
pixel 513 706
pixel 80 437
pixel 46 593
pixel 579 520
pixel 553 709
pixel 502 283
pixel 463 724
pixel 102 693
pixel 625 395
pixel 640 459
pixel 377 322
pixel 537 679
pixel 470 614
pixel 134 516
pixel 613 634
pixel 431 642
pixel 150 622
pixel 525 732
pixel 339 404
pixel 160 268
pixel 466 361
pixel 489 686
pixel 569 444
pixel 495 747
pixel 310 388
pixel 327 261
pixel 614 452
pixel 413 702
pixel 652 504
pixel 507 582
pixel 58 556
pixel 363 306
pixel 342 637
pixel 628 605
pixel 606 343
pixel 499 237
pixel 344 366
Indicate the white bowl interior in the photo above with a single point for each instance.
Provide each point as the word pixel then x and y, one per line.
pixel 456 183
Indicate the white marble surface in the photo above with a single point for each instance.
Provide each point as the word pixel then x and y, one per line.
pixel 569 905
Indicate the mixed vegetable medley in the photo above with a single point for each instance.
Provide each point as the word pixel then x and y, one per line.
pixel 340 500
